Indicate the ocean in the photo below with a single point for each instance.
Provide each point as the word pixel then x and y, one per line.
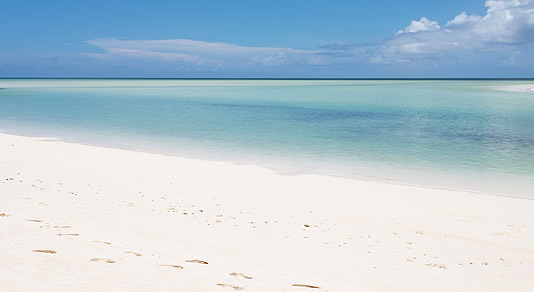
pixel 475 135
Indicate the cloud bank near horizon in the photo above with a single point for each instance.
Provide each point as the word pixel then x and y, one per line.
pixel 499 43
pixel 505 30
pixel 202 55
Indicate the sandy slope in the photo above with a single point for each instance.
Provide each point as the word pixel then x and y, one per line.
pixel 76 217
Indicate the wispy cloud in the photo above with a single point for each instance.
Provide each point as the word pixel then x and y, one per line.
pixel 211 55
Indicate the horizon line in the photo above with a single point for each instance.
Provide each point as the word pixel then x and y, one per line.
pixel 279 78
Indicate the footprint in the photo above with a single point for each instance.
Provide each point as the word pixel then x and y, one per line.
pixel 197 261
pixel 134 253
pixel 231 286
pixel 306 286
pixel 173 266
pixel 109 261
pixel 240 275
pixel 441 266
pixel 4 215
pixel 44 250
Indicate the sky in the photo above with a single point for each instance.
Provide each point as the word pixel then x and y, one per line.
pixel 267 39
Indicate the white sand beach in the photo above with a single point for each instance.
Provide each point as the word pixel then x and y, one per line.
pixel 517 88
pixel 85 218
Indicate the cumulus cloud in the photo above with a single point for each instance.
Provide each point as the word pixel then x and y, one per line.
pixel 463 19
pixel 507 25
pixel 422 25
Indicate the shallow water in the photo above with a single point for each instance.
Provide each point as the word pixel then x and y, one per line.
pixel 453 134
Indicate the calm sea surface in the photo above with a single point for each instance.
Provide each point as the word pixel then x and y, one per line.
pixel 454 134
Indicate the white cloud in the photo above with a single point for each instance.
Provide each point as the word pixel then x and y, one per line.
pixel 464 19
pixel 422 25
pixel 507 25
pixel 503 35
pixel 208 55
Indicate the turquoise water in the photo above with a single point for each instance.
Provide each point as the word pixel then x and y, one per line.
pixel 452 134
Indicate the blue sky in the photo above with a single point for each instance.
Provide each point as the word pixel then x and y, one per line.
pixel 286 39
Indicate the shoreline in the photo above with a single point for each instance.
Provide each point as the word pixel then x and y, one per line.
pixel 279 170
pixel 431 153
pixel 516 88
pixel 86 218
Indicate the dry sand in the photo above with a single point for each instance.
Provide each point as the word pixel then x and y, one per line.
pixel 84 218
pixel 516 88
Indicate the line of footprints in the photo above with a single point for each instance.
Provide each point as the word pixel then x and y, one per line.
pixel 111 261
